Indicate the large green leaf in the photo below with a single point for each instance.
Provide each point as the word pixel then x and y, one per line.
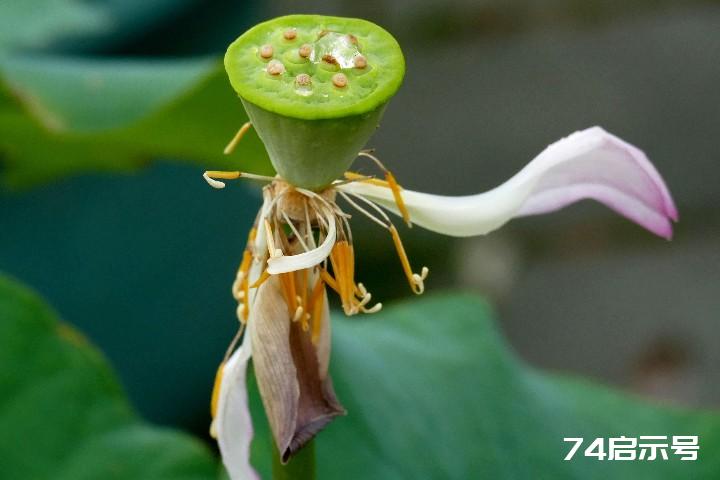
pixel 61 116
pixel 63 415
pixel 432 391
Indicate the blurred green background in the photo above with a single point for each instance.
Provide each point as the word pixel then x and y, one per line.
pixel 110 111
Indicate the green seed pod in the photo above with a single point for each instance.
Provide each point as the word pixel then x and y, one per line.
pixel 315 88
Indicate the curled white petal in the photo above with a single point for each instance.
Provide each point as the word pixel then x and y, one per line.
pixel 301 261
pixel 232 424
pixel 591 164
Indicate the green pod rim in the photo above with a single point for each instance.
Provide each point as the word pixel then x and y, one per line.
pixel 335 45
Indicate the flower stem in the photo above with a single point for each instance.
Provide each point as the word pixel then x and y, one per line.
pixel 300 467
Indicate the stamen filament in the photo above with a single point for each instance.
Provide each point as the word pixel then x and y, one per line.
pixel 327 278
pixel 316 305
pixel 263 277
pixel 395 188
pixel 236 139
pixel 416 281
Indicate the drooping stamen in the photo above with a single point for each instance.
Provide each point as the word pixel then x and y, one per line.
pixel 214 399
pixel 395 188
pixel 327 278
pixel 392 184
pixel 316 307
pixel 356 177
pixel 210 177
pixel 240 287
pixel 340 267
pixel 415 280
pixel 236 139
pixel 263 277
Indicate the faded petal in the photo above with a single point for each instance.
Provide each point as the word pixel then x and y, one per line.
pixel 232 425
pixel 590 164
pixel 301 261
pixel 298 397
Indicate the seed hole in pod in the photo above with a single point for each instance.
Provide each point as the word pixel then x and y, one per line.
pixel 290 34
pixel 305 50
pixel 360 61
pixel 353 39
pixel 339 80
pixel 266 51
pixel 275 68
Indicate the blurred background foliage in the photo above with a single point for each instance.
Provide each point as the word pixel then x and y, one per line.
pixel 139 255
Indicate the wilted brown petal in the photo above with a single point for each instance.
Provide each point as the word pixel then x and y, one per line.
pixel 299 401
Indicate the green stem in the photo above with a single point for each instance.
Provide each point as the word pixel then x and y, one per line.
pixel 300 467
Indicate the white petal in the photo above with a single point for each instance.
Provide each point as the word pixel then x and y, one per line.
pixel 291 263
pixel 233 424
pixel 588 164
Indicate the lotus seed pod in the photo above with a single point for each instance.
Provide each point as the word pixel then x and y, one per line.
pixel 315 89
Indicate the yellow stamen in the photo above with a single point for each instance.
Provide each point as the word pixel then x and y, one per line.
pixel 303 297
pixel 363 178
pixel 210 177
pixel 288 283
pixel 343 275
pixel 327 278
pixel 236 139
pixel 416 281
pixel 216 390
pixel 395 188
pixel 316 306
pixel 263 277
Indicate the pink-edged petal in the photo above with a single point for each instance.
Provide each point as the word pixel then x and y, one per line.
pixel 233 425
pixel 590 164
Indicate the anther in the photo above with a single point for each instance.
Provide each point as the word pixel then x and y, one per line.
pixel 375 308
pixel 360 61
pixel 266 51
pixel 275 67
pixel 339 80
pixel 290 34
pixel 305 50
pixel 303 80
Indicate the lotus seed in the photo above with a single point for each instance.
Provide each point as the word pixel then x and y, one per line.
pixel 327 58
pixel 275 67
pixel 266 51
pixel 339 80
pixel 303 79
pixel 305 50
pixel 359 61
pixel 290 34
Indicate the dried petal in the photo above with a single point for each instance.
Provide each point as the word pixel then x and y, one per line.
pixel 297 394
